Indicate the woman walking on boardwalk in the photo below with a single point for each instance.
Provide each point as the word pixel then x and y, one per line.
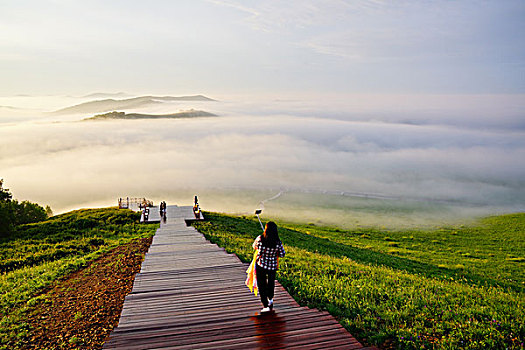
pixel 269 249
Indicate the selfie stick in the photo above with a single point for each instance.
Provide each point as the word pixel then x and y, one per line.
pixel 257 212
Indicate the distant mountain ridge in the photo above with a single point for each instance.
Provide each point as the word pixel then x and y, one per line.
pixel 179 115
pixel 100 106
pixel 108 95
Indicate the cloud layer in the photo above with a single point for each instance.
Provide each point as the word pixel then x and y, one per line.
pixel 68 163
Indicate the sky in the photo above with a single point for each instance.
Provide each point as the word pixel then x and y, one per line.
pixel 256 47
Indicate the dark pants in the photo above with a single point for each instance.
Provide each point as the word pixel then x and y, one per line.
pixel 265 283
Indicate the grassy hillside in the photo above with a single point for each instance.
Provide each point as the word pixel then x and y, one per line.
pixel 37 255
pixel 460 287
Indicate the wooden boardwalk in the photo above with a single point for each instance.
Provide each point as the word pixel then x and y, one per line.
pixel 190 294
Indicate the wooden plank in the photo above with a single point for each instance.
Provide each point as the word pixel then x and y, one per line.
pixel 294 315
pixel 190 294
pixel 168 337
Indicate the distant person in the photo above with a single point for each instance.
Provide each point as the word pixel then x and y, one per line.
pixel 196 208
pixel 145 213
pixel 162 209
pixel 269 249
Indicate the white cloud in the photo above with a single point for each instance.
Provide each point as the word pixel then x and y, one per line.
pixel 57 163
pixel 237 6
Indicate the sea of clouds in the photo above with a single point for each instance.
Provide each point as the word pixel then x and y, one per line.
pixel 462 151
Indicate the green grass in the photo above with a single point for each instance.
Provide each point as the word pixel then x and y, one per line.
pixel 451 288
pixel 37 255
pixel 487 254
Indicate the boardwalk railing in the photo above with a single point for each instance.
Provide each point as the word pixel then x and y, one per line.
pixel 125 203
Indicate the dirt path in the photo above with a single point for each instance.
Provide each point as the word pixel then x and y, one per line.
pixel 83 309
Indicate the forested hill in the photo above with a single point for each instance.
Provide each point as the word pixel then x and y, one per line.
pixel 122 115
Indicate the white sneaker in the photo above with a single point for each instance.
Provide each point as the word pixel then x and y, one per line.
pixel 270 304
pixel 266 309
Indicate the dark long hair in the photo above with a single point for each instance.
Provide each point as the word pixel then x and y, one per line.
pixel 270 237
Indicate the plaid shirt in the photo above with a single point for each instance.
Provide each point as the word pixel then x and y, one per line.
pixel 267 257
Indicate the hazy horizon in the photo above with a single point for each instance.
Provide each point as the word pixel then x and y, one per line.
pixel 368 108
pixel 397 153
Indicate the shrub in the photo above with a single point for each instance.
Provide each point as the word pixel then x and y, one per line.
pixel 27 212
pixel 14 213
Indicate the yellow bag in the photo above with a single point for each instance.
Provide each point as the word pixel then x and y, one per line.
pixel 251 279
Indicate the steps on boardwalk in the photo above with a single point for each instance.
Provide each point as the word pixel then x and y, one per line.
pixel 190 294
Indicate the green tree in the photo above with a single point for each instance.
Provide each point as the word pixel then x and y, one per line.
pixel 6 211
pixel 13 213
pixel 49 211
pixel 5 195
pixel 27 212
